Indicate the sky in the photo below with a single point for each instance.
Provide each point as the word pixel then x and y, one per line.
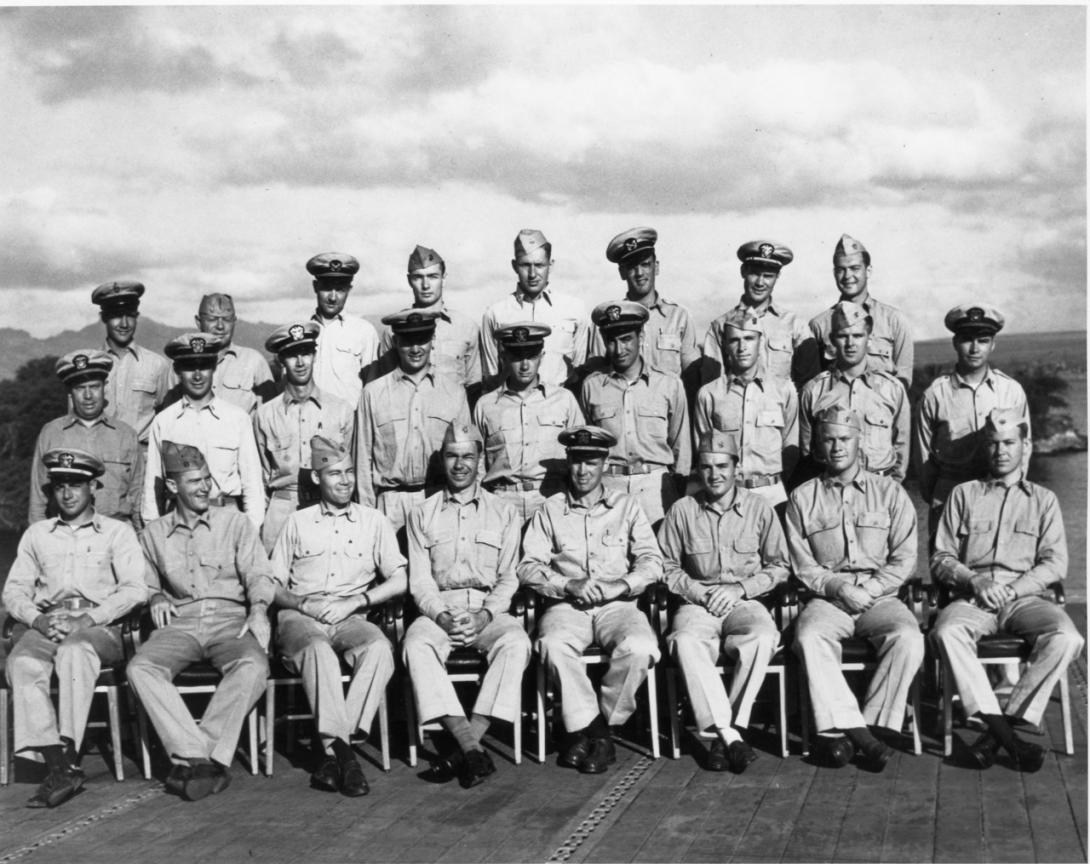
pixel 207 148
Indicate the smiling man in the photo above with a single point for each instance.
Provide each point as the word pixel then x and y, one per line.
pixel 242 375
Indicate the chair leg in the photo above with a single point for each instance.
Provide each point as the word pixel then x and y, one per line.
pixel 674 709
pixel 517 731
pixel 411 727
pixel 1065 711
pixel 781 686
pixel 252 723
pixel 114 716
pixel 804 707
pixel 914 708
pixel 541 725
pixel 5 735
pixel 947 708
pixel 270 726
pixel 653 707
pixel 145 748
pixel 384 732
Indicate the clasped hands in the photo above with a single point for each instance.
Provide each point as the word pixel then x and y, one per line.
pixel 463 626
pixel 584 592
pixel 58 624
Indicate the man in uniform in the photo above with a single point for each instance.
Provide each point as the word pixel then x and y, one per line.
pixel 591 553
pixel 402 419
pixel 463 548
pixel 74 576
pixel 285 424
pixel 347 345
pixel 457 348
pixel 760 413
pixel 890 347
pixel 223 432
pixel 723 549
pixel 242 375
pixel 532 300
pixel 878 397
pixel 520 420
pixel 88 427
pixel 954 407
pixel 851 535
pixel 644 409
pixel 784 332
pixel 140 379
pixel 1000 543
pixel 326 562
pixel 211 585
pixel 669 337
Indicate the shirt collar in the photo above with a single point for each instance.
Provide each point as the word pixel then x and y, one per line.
pixel 609 499
pixel 314 396
pixel 93 523
pixel 859 481
pixel 645 374
pixel 348 512
pixel 317 316
pixel 131 348
pixel 989 379
pixel 657 306
pixel 177 522
pixel 772 307
pixel 720 506
pixel 439 307
pixel 400 375
pixel 540 385
pixel 472 495
pixel 184 404
pixel 1009 482
pixel 522 299
pixel 737 380
pixel 838 375
pixel 71 420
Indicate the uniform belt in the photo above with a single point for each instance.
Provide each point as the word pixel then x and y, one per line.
pixel 225 500
pixel 416 487
pixel 72 604
pixel 519 485
pixel 753 481
pixel 637 468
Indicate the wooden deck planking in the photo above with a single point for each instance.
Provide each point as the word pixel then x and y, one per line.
pixel 768 831
pixel 869 812
pixel 818 824
pixel 959 818
pixel 910 832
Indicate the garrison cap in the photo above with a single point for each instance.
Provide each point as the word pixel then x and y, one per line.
pixel 587 439
pixel 634 241
pixel 974 319
pixel 423 257
pixel 848 245
pixel 88 364
pixel 619 316
pixel 193 346
pixel 118 295
pixel 292 336
pixel 765 252
pixel 179 458
pixel 743 319
pixel 839 416
pixel 213 303
pixel 1003 420
pixel 718 442
pixel 847 314
pixel 523 334
pixel 325 453
pixel 530 239
pixel 334 266
pixel 68 461
pixel 412 321
pixel 462 433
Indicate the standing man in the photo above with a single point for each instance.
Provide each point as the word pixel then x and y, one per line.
pixel 402 419
pixel 591 553
pixel 211 586
pixel 532 300
pixel 463 548
pixel 878 397
pixel 74 577
pixel 1000 543
pixel 644 409
pixel 242 376
pixel 326 565
pixel 140 380
pixel 760 413
pixel 723 550
pixel 223 432
pixel 955 406
pixel 520 421
pixel 347 345
pixel 285 425
pixel 851 535
pixel 457 347
pixel 87 427
pixel 669 342
pixel 784 332
pixel 890 347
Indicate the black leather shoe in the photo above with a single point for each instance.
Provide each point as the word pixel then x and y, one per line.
pixel 838 751
pixel 602 754
pixel 741 756
pixel 982 751
pixel 326 775
pixel 58 786
pixel 576 753
pixel 1027 756
pixel 475 768
pixel 175 780
pixel 207 778
pixel 717 759
pixel 353 783
pixel 875 757
pixel 445 767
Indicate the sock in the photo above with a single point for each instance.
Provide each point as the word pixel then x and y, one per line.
pixel 342 749
pixel 54 756
pixel 478 725
pixel 459 727
pixel 861 737
pixel 597 728
pixel 999 727
pixel 70 755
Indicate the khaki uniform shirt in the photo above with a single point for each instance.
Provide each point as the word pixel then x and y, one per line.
pixel 783 334
pixel 463 549
pixel 99 561
pixel 111 441
pixel 137 386
pixel 649 416
pixel 606 538
pixel 669 340
pixel 336 553
pixel 520 431
pixel 862 532
pixel 762 415
pixel 565 347
pixel 219 557
pixel 737 541
pixel 455 350
pixel 243 378
pixel 346 347
pixel 880 400
pixel 1011 530
pixel 400 427
pixel 889 349
pixel 284 427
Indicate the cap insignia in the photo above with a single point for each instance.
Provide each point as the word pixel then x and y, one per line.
pixel 976 314
pixel 630 244
pixel 521 334
pixel 335 265
pixel 414 318
pixel 196 345
pixel 80 361
pixel 67 460
pixel 766 250
pixel 613 313
pixel 582 437
pixel 296 332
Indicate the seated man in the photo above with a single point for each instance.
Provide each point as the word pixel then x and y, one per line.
pixel 591 553
pixel 463 588
pixel 211 585
pixel 723 549
pixel 999 543
pixel 325 564
pixel 852 539
pixel 73 577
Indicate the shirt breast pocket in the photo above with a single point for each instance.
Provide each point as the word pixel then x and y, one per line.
pixel 880 352
pixel 488 545
pixel 826 540
pixel 604 414
pixel 614 554
pixel 878 423
pixel 745 556
pixel 700 557
pixel 1024 537
pixel 389 428
pixel 872 531
pixel 441 554
pixel 144 391
pixel 668 352
pixel 653 422
pixel 769 427
pixel 562 338
pixel 234 378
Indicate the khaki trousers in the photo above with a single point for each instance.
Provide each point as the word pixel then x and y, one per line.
pixel 655 491
pixel 396 506
pixel 1056 642
pixel 276 515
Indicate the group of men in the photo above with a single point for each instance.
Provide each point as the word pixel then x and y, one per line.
pixel 456 463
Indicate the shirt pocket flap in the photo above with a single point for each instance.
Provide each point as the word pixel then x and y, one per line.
pixel 872 519
pixel 1025 526
pixel 980 526
pixel 828 523
pixel 770 418
pixel 612 539
pixel 877 418
pixel 144 385
pixel 430 542
pixel 778 342
pixel 700 547
pixel 604 412
pixel 668 341
pixel 489 538
pixel 745 545
pixel 387 419
pixel 657 412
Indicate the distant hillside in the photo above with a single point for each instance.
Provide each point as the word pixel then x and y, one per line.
pixel 1017 349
